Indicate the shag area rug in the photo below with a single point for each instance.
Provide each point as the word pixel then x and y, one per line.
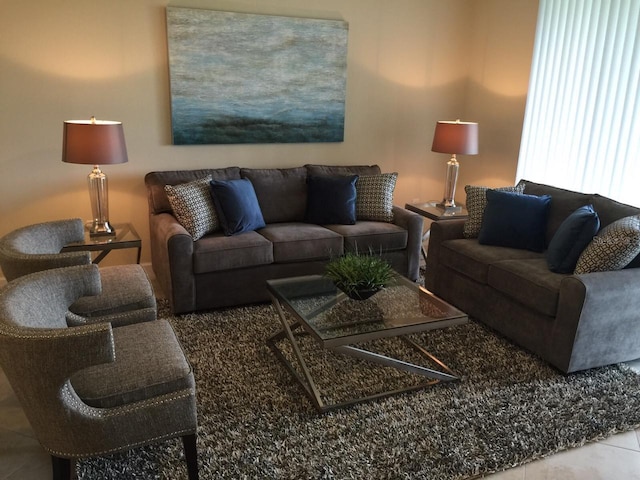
pixel 255 421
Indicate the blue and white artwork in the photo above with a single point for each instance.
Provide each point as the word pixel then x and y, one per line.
pixel 245 78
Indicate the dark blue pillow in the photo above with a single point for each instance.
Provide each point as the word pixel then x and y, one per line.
pixel 237 206
pixel 571 238
pixel 515 220
pixel 331 199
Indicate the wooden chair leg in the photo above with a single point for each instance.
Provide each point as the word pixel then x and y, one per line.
pixel 61 468
pixel 191 455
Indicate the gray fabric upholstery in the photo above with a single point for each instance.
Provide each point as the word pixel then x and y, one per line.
pixel 39 354
pixel 281 192
pixel 126 295
pixel 294 242
pixel 213 272
pixel 37 247
pixel 134 375
pixel 574 322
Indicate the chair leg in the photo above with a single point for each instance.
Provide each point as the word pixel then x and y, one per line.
pixel 61 468
pixel 191 455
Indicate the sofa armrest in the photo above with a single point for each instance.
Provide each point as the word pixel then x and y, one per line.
pixel 412 223
pixel 439 232
pixel 172 261
pixel 598 318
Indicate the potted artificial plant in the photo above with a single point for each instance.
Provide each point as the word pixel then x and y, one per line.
pixel 359 276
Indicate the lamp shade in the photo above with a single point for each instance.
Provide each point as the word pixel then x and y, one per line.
pixel 456 138
pixel 93 142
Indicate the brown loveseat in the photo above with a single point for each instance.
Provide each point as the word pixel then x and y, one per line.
pixel 218 270
pixel 573 321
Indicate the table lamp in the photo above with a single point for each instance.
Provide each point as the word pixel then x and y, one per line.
pixel 95 142
pixel 456 138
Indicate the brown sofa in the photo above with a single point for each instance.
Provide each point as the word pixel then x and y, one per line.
pixel 574 322
pixel 219 271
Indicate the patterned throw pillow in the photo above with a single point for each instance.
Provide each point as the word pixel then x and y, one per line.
pixel 613 248
pixel 192 205
pixel 374 197
pixel 476 203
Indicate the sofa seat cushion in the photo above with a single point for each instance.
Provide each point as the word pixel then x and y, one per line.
pixel 294 242
pixel 367 236
pixel 528 281
pixel 219 252
pixel 467 256
pixel 148 362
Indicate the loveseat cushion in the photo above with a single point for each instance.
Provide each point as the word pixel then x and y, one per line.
pixel 148 362
pixel 218 252
pixel 294 242
pixel 467 256
pixel 369 236
pixel 328 170
pixel 529 281
pixel 281 192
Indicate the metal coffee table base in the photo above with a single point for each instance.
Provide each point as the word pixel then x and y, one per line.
pixel 310 387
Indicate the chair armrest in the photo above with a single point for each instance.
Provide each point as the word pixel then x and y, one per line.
pixel 597 319
pixel 171 258
pixel 412 223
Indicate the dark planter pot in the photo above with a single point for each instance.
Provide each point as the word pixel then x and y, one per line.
pixel 362 294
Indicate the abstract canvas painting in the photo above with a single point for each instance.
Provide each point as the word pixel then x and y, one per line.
pixel 246 78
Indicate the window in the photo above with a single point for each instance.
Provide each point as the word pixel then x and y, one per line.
pixel 582 120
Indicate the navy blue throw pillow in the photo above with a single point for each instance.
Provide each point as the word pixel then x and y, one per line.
pixel 237 206
pixel 571 238
pixel 331 199
pixel 515 220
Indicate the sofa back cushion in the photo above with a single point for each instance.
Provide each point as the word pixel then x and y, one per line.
pixel 155 182
pixel 564 202
pixel 281 192
pixel 328 170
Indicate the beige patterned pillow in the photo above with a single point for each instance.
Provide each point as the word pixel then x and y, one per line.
pixel 476 203
pixel 374 197
pixel 192 205
pixel 615 246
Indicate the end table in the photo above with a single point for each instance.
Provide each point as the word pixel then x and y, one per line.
pixel 125 237
pixel 433 212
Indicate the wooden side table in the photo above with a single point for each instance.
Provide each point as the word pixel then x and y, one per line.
pixel 125 237
pixel 431 211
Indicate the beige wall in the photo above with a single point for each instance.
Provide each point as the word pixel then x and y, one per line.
pixel 411 63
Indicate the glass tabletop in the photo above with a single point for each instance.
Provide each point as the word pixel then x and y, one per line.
pixel 333 318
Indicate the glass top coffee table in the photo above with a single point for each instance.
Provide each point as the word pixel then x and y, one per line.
pixel 339 323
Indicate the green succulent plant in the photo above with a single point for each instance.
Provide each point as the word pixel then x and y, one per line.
pixel 353 273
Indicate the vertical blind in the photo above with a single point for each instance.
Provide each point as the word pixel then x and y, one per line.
pixel 582 119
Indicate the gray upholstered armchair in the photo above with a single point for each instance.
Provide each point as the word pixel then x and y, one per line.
pixel 126 296
pixel 92 389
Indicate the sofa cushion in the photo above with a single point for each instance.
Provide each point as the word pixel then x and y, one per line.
pixel 529 281
pixel 376 237
pixel 331 199
pixel 563 203
pixel 155 182
pixel 237 206
pixel 294 242
pixel 515 220
pixel 374 197
pixel 476 204
pixel 327 170
pixel 220 252
pixel 571 238
pixel 281 192
pixel 467 256
pixel 192 205
pixel 148 362
pixel 613 248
